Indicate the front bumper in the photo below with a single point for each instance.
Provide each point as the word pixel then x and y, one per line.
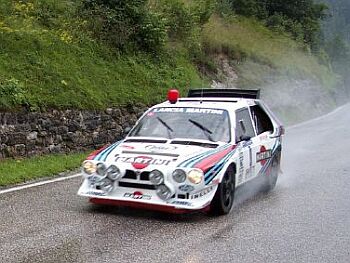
pixel 148 199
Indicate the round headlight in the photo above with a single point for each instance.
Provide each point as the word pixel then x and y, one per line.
pixel 195 176
pixel 113 173
pixel 89 167
pixel 179 176
pixel 106 185
pixel 164 192
pixel 101 169
pixel 156 177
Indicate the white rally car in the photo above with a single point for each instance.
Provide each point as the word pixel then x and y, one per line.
pixel 189 154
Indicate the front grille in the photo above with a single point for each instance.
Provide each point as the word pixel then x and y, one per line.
pixel 137 185
pixel 130 174
pixel 136 180
pixel 144 176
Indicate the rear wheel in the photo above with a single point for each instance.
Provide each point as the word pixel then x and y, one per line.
pixel 224 196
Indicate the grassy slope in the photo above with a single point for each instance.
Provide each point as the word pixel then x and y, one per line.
pixel 60 66
pixel 43 45
pixel 18 171
pixel 264 53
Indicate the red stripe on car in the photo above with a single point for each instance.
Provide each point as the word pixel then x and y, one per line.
pixel 211 160
pixel 95 153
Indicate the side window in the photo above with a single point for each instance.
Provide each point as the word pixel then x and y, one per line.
pixel 261 120
pixel 244 126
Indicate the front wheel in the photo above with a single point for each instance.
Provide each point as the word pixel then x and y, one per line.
pixel 224 196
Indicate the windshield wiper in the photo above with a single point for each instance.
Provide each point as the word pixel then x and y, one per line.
pixel 207 132
pixel 169 129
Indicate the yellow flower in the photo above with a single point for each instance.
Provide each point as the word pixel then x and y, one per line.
pixel 23 8
pixel 66 37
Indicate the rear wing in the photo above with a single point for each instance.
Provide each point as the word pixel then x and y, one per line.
pixel 224 93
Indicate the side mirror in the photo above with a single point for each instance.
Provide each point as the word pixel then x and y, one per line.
pixel 126 131
pixel 241 123
pixel 245 138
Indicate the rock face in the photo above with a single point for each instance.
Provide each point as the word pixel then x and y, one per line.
pixel 33 133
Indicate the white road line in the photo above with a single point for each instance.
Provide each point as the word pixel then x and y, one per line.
pixel 22 187
pixel 318 118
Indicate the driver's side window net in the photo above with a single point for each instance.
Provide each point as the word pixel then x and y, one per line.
pixel 261 120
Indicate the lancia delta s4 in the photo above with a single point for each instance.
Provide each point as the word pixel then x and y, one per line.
pixel 189 154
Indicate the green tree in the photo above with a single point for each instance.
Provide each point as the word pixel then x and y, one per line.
pixel 301 18
pixel 126 25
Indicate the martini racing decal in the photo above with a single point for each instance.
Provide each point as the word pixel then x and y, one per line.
pixel 263 155
pixel 141 162
pixel 191 162
pixel 210 160
pixel 105 152
pixel 138 196
pixel 266 163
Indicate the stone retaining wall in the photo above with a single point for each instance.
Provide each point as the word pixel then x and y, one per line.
pixel 34 133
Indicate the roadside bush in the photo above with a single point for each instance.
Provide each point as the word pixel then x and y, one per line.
pixel 180 21
pixel 300 18
pixel 126 25
pixel 11 93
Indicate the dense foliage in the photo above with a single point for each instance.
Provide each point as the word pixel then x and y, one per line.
pixel 143 25
pixel 102 53
pixel 126 25
pixel 302 18
pixel 337 38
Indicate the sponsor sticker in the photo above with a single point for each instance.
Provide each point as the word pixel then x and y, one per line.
pixel 160 148
pixel 138 196
pixel 186 188
pixel 241 167
pixel 202 193
pixel 141 162
pixel 190 110
pixel 127 147
pixel 185 203
pixel 95 193
pixel 263 155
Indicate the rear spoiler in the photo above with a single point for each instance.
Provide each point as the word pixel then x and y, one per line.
pixel 224 93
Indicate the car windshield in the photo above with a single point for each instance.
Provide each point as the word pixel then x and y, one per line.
pixel 184 123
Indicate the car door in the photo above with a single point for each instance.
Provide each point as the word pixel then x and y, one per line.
pixel 263 144
pixel 244 133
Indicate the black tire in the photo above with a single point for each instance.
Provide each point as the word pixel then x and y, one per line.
pixel 224 196
pixel 272 176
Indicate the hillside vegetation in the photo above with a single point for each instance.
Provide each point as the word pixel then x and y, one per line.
pixel 93 54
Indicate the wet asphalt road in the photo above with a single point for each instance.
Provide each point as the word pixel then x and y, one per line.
pixel 305 219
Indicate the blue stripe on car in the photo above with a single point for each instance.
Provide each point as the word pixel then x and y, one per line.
pixel 104 154
pixel 194 160
pixel 210 175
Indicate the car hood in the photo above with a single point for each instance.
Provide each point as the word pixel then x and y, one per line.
pixel 152 154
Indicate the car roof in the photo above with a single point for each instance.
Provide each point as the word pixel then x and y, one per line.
pixel 230 104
